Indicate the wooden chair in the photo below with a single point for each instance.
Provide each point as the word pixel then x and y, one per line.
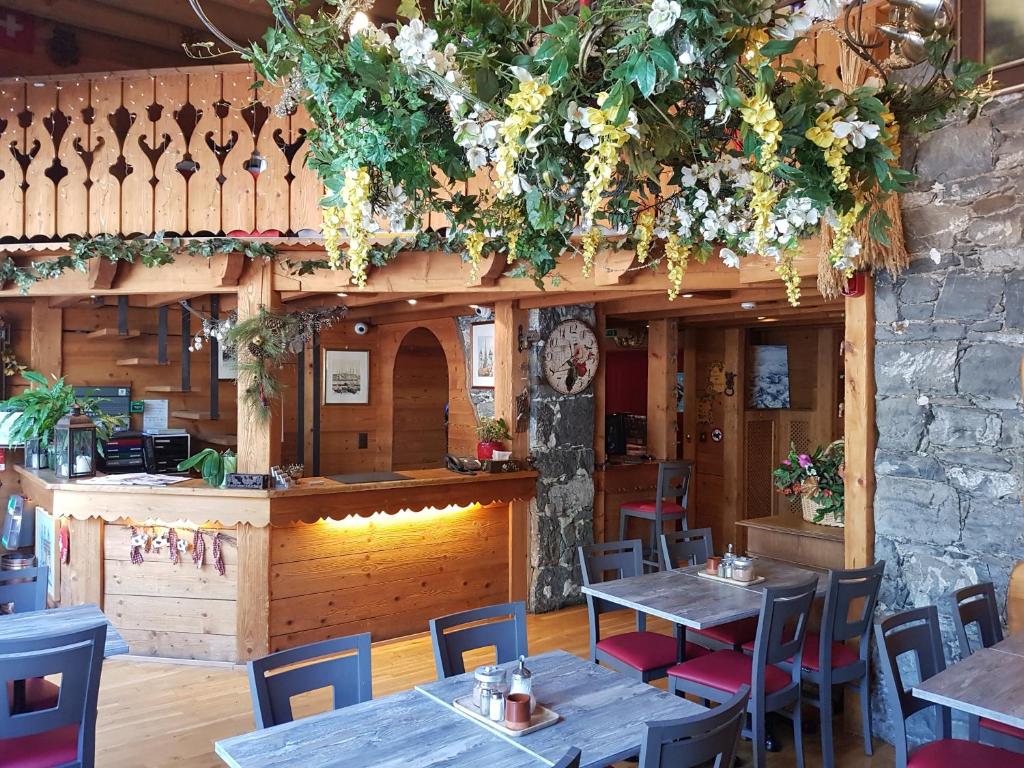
pixel 976 605
pixel 65 733
pixel 827 659
pixel 641 654
pixel 673 484
pixel 571 759
pixel 708 738
pixel 681 549
pixel 915 633
pixel 507 635
pixel 25 589
pixel 272 687
pixel 780 637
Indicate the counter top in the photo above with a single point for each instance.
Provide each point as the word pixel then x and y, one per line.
pixel 796 525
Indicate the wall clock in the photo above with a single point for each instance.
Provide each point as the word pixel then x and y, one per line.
pixel 570 357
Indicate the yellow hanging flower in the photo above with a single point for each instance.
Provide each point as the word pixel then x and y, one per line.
pixel 474 250
pixel 525 106
pixel 821 133
pixel 891 135
pixel 840 238
pixel 677 256
pixel 603 159
pixel 644 229
pixel 759 113
pixel 332 225
pixel 591 242
pixel 511 220
pixel 355 193
pixel 752 56
pixel 786 269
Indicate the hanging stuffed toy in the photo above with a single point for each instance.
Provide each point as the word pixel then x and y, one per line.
pixel 138 541
pixel 198 549
pixel 218 556
pixel 159 542
pixel 172 546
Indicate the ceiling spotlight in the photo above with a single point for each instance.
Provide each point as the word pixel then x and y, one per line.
pixel 761 317
pixel 411 301
pixel 687 295
pixel 748 305
pixel 342 295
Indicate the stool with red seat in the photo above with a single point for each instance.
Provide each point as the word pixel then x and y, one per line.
pixel 780 637
pixel 915 634
pixel 976 605
pixel 65 734
pixel 641 654
pixel 669 504
pixel 25 590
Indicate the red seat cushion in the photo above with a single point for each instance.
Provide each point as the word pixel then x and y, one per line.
pixel 41 750
pixel 728 671
pixel 645 651
pixel 948 753
pixel 39 693
pixel 735 633
pixel 669 509
pixel 995 725
pixel 842 654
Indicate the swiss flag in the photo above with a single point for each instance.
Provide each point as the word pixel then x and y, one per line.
pixel 17 31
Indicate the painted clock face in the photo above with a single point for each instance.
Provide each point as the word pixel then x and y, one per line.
pixel 570 357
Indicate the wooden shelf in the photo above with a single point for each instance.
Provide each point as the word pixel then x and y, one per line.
pixel 226 441
pixel 140 361
pixel 112 333
pixel 191 415
pixel 170 389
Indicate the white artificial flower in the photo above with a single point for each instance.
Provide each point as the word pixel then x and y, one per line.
pixel 567 133
pixel 714 185
pixel 630 126
pixel 415 43
pixel 822 9
pixel 858 131
pixel 790 24
pixel 489 133
pixel 663 16
pixel 397 209
pixel 688 53
pixel 375 37
pixel 477 157
pixel 467 133
pixel 586 141
pixel 687 177
pixel 716 102
pixel 700 200
pixel 729 258
pixel 685 219
pixel 522 74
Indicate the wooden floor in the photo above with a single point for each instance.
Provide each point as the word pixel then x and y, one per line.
pixel 161 714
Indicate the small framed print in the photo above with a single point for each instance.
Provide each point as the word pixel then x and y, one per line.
pixel 346 377
pixel 227 362
pixel 483 355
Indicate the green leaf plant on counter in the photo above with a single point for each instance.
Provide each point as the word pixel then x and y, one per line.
pixel 212 465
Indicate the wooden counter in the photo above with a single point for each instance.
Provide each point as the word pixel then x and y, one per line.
pixel 791 538
pixel 321 560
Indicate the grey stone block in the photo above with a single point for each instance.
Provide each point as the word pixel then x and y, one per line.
pixel 901 423
pixel 917 289
pixel 993 528
pixel 917 311
pixel 933 226
pixel 916 367
pixel 977 459
pixel 916 465
pixel 981 483
pixel 920 509
pixel 991 371
pixel 956 151
pixel 969 297
pixel 963 427
pixel 921 331
pixel 1014 301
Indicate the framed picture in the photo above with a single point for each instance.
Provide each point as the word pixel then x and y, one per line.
pixel 483 355
pixel 346 377
pixel 227 363
pixel 768 381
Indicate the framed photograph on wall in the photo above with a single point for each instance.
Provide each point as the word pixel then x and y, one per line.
pixel 768 378
pixel 346 377
pixel 483 355
pixel 227 363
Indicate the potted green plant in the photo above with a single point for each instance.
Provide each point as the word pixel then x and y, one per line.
pixel 36 411
pixel 491 434
pixel 212 465
pixel 818 479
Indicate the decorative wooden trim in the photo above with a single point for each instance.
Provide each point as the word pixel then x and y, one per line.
pixel 226 268
pixel 101 273
pixel 489 271
pixel 859 346
pixel 615 267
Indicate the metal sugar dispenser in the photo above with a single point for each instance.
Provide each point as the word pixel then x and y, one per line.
pixel 725 568
pixel 489 690
pixel 522 682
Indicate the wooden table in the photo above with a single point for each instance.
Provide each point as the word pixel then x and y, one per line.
pixel 407 730
pixel 603 712
pixel 1012 644
pixel 987 683
pixel 32 624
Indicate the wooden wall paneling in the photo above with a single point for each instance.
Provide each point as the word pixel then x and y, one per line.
pixel 82 576
pixel 204 96
pixel 688 434
pixel 662 365
pixel 305 189
pixel 733 429
pixel 511 369
pixel 46 355
pixel 41 193
pixel 861 433
pixel 419 398
pixel 72 193
pixel 826 385
pixel 253 592
pixel 238 192
pixel 12 136
pixel 138 96
pixel 519 573
pixel 105 192
pixel 170 195
pixel 272 183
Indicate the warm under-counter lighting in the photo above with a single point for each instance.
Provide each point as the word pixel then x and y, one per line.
pixel 343 295
pixel 411 301
pixel 403 517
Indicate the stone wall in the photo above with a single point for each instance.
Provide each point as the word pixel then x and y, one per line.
pixel 950 337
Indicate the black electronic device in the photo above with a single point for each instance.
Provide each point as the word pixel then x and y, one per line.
pixel 164 452
pixel 460 465
pixel 615 434
pixel 124 452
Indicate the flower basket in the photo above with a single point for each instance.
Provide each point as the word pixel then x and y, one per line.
pixel 810 509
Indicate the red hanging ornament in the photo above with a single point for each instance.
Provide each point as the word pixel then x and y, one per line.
pixel 138 541
pixel 198 549
pixel 172 546
pixel 218 556
pixel 65 544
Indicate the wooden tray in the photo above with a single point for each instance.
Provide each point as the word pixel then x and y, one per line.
pixel 542 717
pixel 736 582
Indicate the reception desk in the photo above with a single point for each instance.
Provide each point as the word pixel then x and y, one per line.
pixel 319 560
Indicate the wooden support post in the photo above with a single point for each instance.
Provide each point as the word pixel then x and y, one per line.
pixel 662 364
pixel 252 622
pixel 122 315
pixel 733 465
pixel 215 364
pixel 186 355
pixel 300 407
pixel 82 577
pixel 161 335
pixel 259 438
pixel 859 346
pixel 46 353
pixel 826 385
pixel 317 375
pixel 688 344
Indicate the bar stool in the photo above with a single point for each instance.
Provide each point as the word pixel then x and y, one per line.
pixel 674 484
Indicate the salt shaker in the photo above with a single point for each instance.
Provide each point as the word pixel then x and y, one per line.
pixel 522 682
pixel 488 678
pixel 496 706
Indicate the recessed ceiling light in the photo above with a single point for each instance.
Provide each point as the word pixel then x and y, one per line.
pixel 761 317
pixel 411 301
pixel 343 295
pixel 748 305
pixel 38 85
pixel 687 295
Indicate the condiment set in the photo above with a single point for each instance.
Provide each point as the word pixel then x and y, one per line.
pixel 498 702
pixel 731 566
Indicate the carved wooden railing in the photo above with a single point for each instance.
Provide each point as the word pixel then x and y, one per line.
pixel 188 151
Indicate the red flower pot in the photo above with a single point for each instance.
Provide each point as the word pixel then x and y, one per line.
pixel 485 449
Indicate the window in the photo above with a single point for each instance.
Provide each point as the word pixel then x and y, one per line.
pixel 993 31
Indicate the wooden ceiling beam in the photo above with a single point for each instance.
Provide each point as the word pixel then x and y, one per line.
pixel 245 26
pixel 662 306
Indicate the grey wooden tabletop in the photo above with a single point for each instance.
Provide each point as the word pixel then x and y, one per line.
pixel 406 730
pixel 684 598
pixel 987 683
pixel 54 621
pixel 1012 644
pixel 603 712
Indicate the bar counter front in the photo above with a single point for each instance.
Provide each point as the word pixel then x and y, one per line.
pixel 322 559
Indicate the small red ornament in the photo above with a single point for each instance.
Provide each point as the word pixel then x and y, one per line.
pixel 855 285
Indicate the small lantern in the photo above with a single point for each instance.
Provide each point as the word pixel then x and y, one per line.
pixel 74 439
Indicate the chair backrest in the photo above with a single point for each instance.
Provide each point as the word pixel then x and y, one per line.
pixel 621 559
pixel 275 679
pixel 976 604
pixel 681 549
pixel 698 739
pixel 674 481
pixel 505 630
pixel 849 609
pixel 785 612
pixel 913 632
pixel 571 759
pixel 25 588
pixel 78 658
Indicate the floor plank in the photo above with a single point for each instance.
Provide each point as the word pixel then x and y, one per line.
pixel 160 715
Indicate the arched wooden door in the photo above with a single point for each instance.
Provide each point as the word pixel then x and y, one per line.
pixel 420 402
